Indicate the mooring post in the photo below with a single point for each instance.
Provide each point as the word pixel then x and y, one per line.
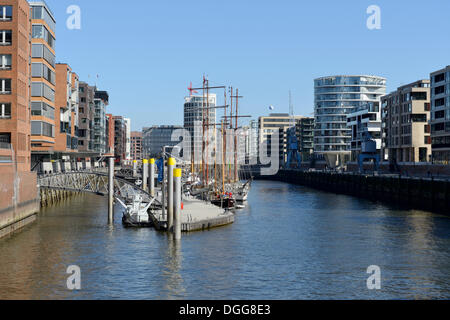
pixel 177 204
pixel 152 177
pixel 170 167
pixel 144 174
pixel 163 192
pixel 134 168
pixel 111 190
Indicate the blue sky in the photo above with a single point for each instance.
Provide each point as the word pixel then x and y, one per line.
pixel 146 52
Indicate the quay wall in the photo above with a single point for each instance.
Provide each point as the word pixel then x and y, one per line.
pixel 415 193
pixel 411 169
pixel 19 199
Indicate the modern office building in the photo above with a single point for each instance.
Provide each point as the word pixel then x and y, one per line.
pixel 305 135
pixel 157 137
pixel 101 100
pixel 43 73
pixel 119 138
pixel 136 145
pixel 14 85
pixel 194 112
pixel 335 98
pixel 128 156
pixel 86 117
pixel 440 115
pixel 364 123
pixel 66 109
pixel 276 122
pixel 110 134
pixel 405 123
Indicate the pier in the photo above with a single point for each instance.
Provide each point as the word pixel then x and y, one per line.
pixel 196 215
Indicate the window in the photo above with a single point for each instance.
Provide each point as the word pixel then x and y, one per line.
pixel 39 89
pixel 439 90
pixel 5 86
pixel 5 37
pixel 42 109
pixel 41 13
pixel 42 71
pixel 5 61
pixel 5 13
pixel 5 137
pixel 439 102
pixel 419 118
pixel 5 111
pixel 41 51
pixel 41 32
pixel 39 128
pixel 439 77
pixel 439 114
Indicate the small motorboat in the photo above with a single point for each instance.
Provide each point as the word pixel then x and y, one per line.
pixel 136 213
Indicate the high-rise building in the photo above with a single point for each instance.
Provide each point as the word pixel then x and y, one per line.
pixel 43 75
pixel 136 145
pixel 335 98
pixel 119 138
pixel 157 137
pixel 66 109
pixel 365 123
pixel 195 110
pixel 101 100
pixel 305 136
pixel 14 84
pixel 110 139
pixel 405 126
pixel 86 117
pixel 440 114
pixel 128 156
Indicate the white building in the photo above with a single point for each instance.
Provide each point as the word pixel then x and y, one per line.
pixel 195 109
pixel 335 98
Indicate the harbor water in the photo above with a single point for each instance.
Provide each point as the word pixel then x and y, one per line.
pixel 290 242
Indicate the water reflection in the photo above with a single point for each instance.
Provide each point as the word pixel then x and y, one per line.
pixel 173 285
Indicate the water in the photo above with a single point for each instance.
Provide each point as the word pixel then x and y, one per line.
pixel 291 242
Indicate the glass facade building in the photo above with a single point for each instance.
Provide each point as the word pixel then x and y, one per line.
pixel 335 98
pixel 157 137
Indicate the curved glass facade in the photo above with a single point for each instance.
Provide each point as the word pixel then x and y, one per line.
pixel 334 98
